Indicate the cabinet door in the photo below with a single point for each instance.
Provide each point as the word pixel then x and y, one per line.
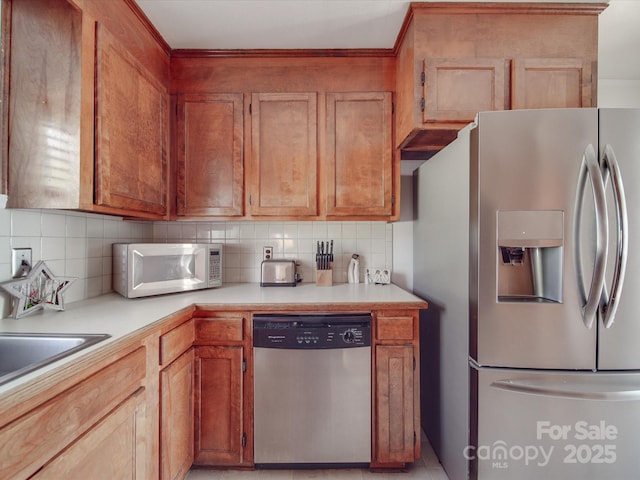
pixel 114 448
pixel 218 406
pixel 455 90
pixel 131 138
pixel 394 432
pixel 176 418
pixel 44 78
pixel 551 83
pixel 210 158
pixel 360 154
pixel 284 157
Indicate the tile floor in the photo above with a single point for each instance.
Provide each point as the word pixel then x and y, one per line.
pixel 427 468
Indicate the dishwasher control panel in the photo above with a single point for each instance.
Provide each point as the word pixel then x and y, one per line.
pixel 312 331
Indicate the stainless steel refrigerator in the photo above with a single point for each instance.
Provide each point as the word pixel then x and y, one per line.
pixel 526 245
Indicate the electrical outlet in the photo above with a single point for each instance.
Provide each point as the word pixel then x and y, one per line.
pixel 20 262
pixel 267 253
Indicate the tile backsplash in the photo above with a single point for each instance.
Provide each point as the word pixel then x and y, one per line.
pixel 78 245
pixel 72 244
pixel 244 242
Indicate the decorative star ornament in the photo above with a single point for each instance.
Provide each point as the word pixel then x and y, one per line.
pixel 40 289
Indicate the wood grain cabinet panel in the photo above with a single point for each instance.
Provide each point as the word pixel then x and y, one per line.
pixel 360 154
pixel 131 138
pixel 398 327
pixel 456 89
pixel 551 83
pixel 176 341
pixel 114 448
pixel 395 434
pixel 45 103
pixel 210 166
pixel 176 418
pixel 284 158
pixel 35 438
pixel 221 329
pixel 454 60
pixel 396 391
pixel 218 406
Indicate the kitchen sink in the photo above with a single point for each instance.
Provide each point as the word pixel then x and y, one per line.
pixel 21 353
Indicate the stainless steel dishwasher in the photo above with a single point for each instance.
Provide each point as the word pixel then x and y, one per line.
pixel 312 390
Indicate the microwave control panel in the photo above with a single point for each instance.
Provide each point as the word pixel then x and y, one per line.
pixel 215 267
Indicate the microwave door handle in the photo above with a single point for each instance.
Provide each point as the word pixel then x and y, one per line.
pixel 590 168
pixel 610 305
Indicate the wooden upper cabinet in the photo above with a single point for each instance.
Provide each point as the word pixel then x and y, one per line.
pixel 210 155
pixel 44 85
pixel 131 138
pixel 551 83
pixel 455 90
pixel 455 59
pixel 359 154
pixel 284 158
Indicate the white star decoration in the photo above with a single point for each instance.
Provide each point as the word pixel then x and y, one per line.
pixel 40 289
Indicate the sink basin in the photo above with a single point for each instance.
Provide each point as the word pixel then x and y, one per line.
pixel 21 353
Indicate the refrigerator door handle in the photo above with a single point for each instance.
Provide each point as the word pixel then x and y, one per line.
pixel 610 305
pixel 591 169
pixel 569 390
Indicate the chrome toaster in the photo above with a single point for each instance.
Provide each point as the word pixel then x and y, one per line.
pixel 279 273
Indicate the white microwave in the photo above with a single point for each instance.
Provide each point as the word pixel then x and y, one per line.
pixel 144 269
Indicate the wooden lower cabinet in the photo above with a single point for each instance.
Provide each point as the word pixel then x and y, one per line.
pixel 394 404
pixel 396 391
pixel 194 383
pixel 112 449
pixel 176 417
pixel 219 433
pixel 100 419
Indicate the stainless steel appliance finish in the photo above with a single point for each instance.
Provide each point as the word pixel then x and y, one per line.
pixel 279 273
pixel 312 390
pixel 526 247
pixel 144 269
pixel 21 353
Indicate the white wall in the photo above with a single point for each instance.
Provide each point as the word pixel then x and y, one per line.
pixel 403 229
pixel 619 93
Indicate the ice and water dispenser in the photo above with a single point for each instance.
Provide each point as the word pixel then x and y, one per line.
pixel 530 255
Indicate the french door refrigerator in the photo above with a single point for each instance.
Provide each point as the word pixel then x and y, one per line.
pixel 526 239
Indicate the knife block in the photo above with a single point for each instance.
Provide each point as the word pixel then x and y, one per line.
pixel 324 278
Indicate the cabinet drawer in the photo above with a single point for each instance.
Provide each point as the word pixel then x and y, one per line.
pixel 219 329
pixel 395 327
pixel 176 341
pixel 33 439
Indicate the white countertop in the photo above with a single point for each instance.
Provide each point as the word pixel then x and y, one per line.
pixel 120 317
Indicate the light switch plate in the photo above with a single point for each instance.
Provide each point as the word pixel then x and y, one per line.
pixel 18 256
